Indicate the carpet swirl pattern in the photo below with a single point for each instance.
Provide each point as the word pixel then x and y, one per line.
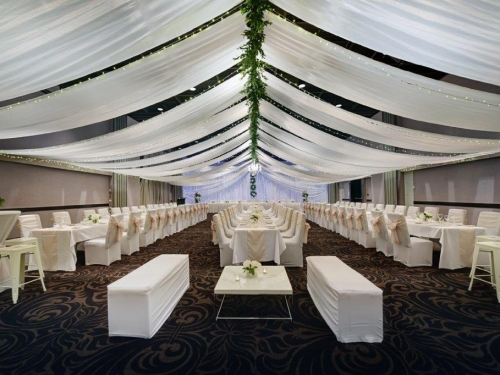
pixel 432 323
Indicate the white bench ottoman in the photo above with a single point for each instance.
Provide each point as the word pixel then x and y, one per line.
pixel 350 304
pixel 140 302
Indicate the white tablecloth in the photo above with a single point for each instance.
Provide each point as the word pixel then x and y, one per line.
pixel 457 242
pixel 273 244
pixel 57 245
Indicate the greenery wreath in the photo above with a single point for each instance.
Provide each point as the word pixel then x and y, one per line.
pixel 253 187
pixel 253 193
pixel 252 180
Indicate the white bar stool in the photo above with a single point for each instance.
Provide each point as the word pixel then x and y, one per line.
pixel 489 245
pixel 16 253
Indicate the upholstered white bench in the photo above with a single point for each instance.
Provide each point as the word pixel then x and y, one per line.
pixel 140 302
pixel 350 304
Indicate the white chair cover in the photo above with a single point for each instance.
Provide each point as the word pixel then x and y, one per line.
pixel 104 212
pixel 434 211
pixel 491 221
pixel 61 217
pixel 400 210
pixel 457 216
pixel 413 211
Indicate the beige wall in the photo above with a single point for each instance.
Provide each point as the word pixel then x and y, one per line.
pixel 26 187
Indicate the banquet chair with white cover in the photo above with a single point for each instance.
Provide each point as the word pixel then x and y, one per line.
pixel 370 207
pixel 150 206
pixel 171 220
pixel 457 216
pixel 103 212
pixel 491 221
pixel 434 211
pixel 228 231
pixel 292 255
pixel 226 253
pixel 363 206
pixel 156 206
pixel 342 224
pixel 26 224
pixel 351 225
pixel 16 254
pixel 335 219
pixel 126 210
pixel 380 207
pixel 115 210
pixel 413 211
pixel 142 208
pixel 365 237
pixel 61 217
pixel 146 237
pixel 160 217
pixel 328 215
pixel 381 234
pixel 281 219
pixel 322 214
pixel 130 238
pixel 389 208
pixel 135 208
pixel 400 210
pixel 411 251
pixel 106 250
pixel 288 222
pixel 293 222
pixel 357 205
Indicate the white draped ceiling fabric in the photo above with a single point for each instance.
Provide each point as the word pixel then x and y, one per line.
pixel 202 144
pixel 458 36
pixel 36 36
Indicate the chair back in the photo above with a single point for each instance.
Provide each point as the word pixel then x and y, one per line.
pixel 370 207
pixel 341 215
pixel 126 210
pixel 400 210
pixel 104 212
pixel 150 216
pixel 142 207
pixel 162 220
pixel 221 236
pixel 413 211
pixel 131 226
pixel 357 205
pixel 360 218
pixel 349 218
pixel 379 215
pixel 389 208
pixel 113 228
pixel 27 223
pixel 457 216
pixel 401 228
pixel 491 221
pixel 7 221
pixel 150 206
pixel 434 211
pixel 380 206
pixel 61 217
pixel 115 210
pixel 134 208
pixel 363 205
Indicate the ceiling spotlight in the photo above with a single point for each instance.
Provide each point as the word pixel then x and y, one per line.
pixel 193 89
pixel 302 85
pixel 338 105
pixel 160 109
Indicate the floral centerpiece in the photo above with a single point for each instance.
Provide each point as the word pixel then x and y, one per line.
pixel 197 197
pixel 305 196
pixel 424 216
pixel 94 218
pixel 251 266
pixel 254 217
pixel 1 201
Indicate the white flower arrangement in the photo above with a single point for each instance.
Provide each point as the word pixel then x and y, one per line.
pixel 254 217
pixel 251 266
pixel 425 216
pixel 94 218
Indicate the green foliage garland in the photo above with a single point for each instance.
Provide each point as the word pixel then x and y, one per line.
pixel 252 64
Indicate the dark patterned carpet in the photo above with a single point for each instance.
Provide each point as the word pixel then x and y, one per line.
pixel 432 324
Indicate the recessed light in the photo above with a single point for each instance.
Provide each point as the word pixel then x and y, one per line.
pixel 302 85
pixel 193 89
pixel 160 109
pixel 338 105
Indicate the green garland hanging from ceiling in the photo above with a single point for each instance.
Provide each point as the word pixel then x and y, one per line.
pixel 252 64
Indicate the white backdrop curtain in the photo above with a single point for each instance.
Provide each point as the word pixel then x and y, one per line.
pixel 267 189
pixel 48 42
pixel 336 118
pixel 455 36
pixel 185 123
pixel 138 85
pixel 377 85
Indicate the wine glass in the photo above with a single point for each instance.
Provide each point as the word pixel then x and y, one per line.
pixel 440 217
pixel 446 218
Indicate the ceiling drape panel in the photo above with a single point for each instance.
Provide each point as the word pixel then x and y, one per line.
pixel 458 37
pixel 355 77
pixel 168 170
pixel 138 85
pixel 332 148
pixel 177 154
pixel 183 124
pixel 368 129
pixel 47 42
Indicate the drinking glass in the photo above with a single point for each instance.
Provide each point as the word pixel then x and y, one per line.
pixel 440 217
pixel 446 218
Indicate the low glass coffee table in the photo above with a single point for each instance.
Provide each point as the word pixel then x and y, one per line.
pixel 270 280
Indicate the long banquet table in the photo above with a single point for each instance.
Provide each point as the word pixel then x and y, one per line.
pixel 260 240
pixel 457 242
pixel 57 245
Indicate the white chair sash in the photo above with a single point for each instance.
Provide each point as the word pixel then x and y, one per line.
pixel 335 216
pixel 393 226
pixel 349 220
pixel 359 220
pixel 120 228
pixel 376 227
pixel 137 221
